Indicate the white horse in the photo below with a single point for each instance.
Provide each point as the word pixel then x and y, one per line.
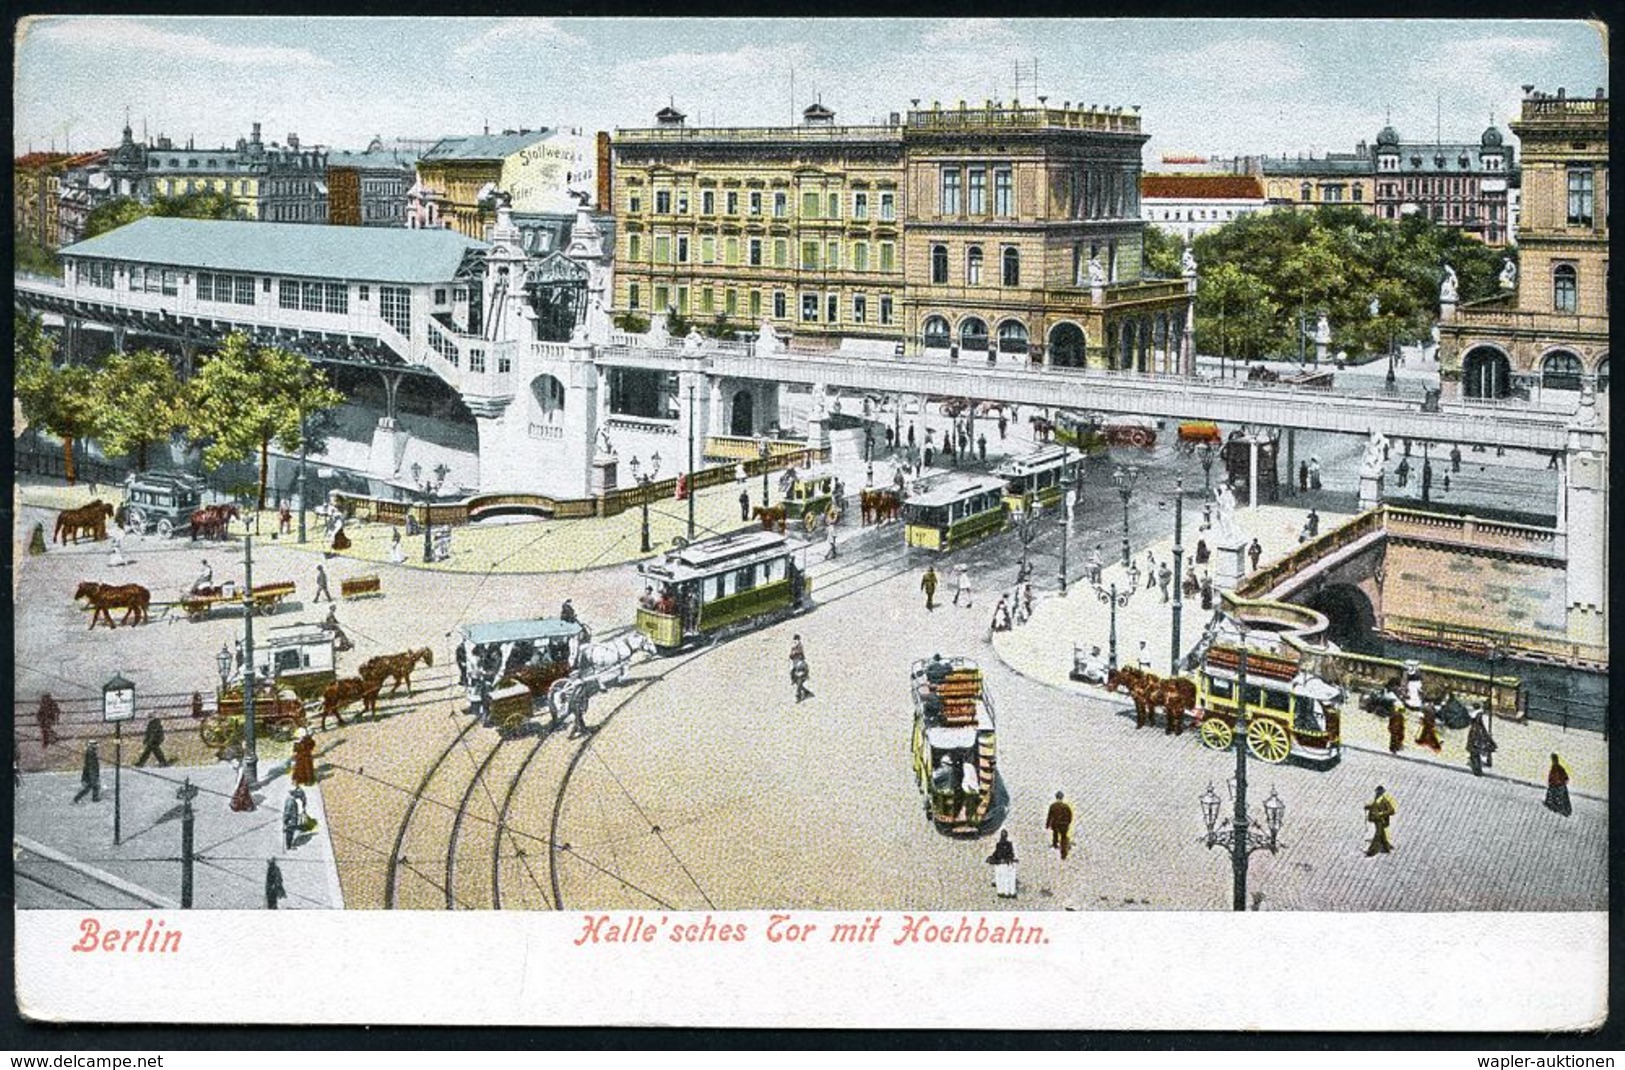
pixel 607 662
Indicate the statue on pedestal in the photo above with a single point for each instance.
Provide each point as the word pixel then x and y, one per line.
pixel 1224 502
pixel 1097 273
pixel 1323 331
pixel 1375 447
pixel 1448 289
pixel 605 447
pixel 1187 262
pixel 1509 274
pixel 693 340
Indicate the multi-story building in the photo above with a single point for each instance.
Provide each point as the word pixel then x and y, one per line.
pixel 369 188
pixel 274 183
pixel 968 228
pixel 1550 332
pixel 36 186
pixel 537 170
pixel 1342 179
pixel 1188 204
pixel 84 184
pixel 1457 185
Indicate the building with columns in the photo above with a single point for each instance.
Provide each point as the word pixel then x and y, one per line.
pixel 1548 330
pixel 998 231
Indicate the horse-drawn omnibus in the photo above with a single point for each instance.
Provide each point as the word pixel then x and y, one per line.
pixel 950 513
pixel 1036 477
pixel 955 747
pixel 809 496
pixel 1290 711
pixel 508 666
pixel 299 657
pixel 720 582
pixel 1080 430
pixel 160 502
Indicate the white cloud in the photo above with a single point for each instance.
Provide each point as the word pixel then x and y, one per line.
pixel 1256 61
pixel 145 39
pixel 751 61
pixel 970 34
pixel 509 34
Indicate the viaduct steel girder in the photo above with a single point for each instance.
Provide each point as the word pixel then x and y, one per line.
pixel 1173 398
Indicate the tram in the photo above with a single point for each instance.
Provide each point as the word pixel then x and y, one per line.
pixel 729 580
pixel 1290 711
pixel 1037 477
pixel 950 513
pixel 955 746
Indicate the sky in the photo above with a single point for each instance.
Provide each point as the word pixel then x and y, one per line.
pixel 1209 87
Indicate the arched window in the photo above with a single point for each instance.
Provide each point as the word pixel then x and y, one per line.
pixel 1485 373
pixel 1012 266
pixel 1067 345
pixel 973 266
pixel 935 333
pixel 1013 337
pixel 1602 375
pixel 939 264
pixel 1304 191
pixel 973 334
pixel 1560 371
pixel 1565 288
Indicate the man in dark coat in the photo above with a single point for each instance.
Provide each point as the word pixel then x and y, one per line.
pixel 321 586
pixel 90 776
pixel 567 612
pixel 928 584
pixel 152 743
pixel 274 888
pixel 1255 551
pixel 798 669
pixel 1303 476
pixel 1480 747
pixel 1455 458
pixel 292 814
pixel 981 448
pixel 1396 728
pixel 744 504
pixel 1059 823
pixel 1312 524
pixel 49 714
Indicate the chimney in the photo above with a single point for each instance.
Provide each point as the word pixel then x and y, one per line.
pixel 255 140
pixel 293 142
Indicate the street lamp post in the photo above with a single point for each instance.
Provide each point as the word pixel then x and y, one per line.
pixel 1124 478
pixel 766 450
pixel 1067 483
pixel 1498 652
pixel 690 476
pixel 1112 597
pixel 303 449
pixel 643 480
pixel 1240 834
pixel 428 488
pixel 251 757
pixel 1179 582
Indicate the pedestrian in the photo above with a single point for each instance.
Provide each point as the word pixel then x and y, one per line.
pixel 962 585
pixel 274 889
pixel 1150 567
pixel 284 519
pixel 48 714
pixel 1004 425
pixel 739 472
pixel 1001 615
pixel 1386 447
pixel 1314 473
pixel 744 504
pixel 1003 861
pixel 1144 657
pixel 321 585
pixel 397 553
pixel 1202 552
pixel 927 456
pixel 115 551
pixel 152 743
pixel 1255 551
pixel 567 612
pixel 911 436
pixel 242 798
pixel 1455 460
pixel 1207 591
pixel 1191 586
pixel 1059 823
pixel 829 554
pixel 1380 812
pixel 1303 476
pixel 798 669
pixel 1402 473
pixel 1396 728
pixel 205 578
pixel 1557 789
pixel 292 815
pixel 90 775
pixel 1407 447
pixel 1445 482
pixel 197 706
pixel 981 448
pixel 1429 735
pixel 891 439
pixel 1480 745
pixel 1165 577
pixel 1095 565
pixel 928 584
pixel 1427 477
pixel 341 541
pixel 1024 601
pixel 303 769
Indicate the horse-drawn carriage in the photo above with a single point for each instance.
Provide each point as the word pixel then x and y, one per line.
pixel 293 666
pixel 198 602
pixel 160 503
pixel 809 499
pixel 510 667
pixel 277 710
pixel 1138 431
pixel 955 747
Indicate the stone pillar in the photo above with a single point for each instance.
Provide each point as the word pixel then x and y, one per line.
pixel 1370 489
pixel 1291 461
pixel 693 412
pixel 1585 488
pixel 818 417
pixel 1187 337
pixel 388 447
pixel 1229 562
pixel 579 447
pixel 118 339
pixel 1252 471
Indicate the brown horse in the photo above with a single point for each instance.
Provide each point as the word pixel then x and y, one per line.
pixel 1174 694
pixel 397 667
pixel 213 521
pixel 102 597
pixel 772 516
pixel 1131 679
pixel 879 506
pixel 90 519
pixel 340 693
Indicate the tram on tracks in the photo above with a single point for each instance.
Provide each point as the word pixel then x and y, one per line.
pixel 732 580
pixel 955 746
pixel 1291 713
pixel 1037 477
pixel 950 512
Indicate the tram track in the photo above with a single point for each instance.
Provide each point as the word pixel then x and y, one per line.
pixel 397 859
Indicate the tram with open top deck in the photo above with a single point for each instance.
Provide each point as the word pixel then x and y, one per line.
pixel 955 745
pixel 952 511
pixel 1037 477
pixel 694 591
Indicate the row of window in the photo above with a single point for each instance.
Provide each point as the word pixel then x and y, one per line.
pixel 935 333
pixel 1197 213
pixel 815 204
pixel 173 186
pixel 815 308
pixel 332 297
pixel 232 289
pixel 1009 265
pixel 974 182
pixel 1331 193
pixel 679 249
pixel 1491 161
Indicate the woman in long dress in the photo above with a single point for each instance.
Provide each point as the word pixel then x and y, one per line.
pixel 1557 789
pixel 1003 861
pixel 304 759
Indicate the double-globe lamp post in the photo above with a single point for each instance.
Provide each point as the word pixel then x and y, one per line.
pixel 1116 599
pixel 643 479
pixel 428 489
pixel 1124 477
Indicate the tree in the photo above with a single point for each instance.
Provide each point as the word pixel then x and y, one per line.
pixel 1161 252
pixel 110 215
pixel 140 402
pixel 60 401
pixel 247 396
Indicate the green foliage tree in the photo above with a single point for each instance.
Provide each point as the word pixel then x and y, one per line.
pixel 110 215
pixel 35 259
pixel 141 402
pixel 247 396
pixel 60 401
pixel 115 213
pixel 1161 252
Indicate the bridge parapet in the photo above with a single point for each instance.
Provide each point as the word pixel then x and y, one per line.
pixel 1472 532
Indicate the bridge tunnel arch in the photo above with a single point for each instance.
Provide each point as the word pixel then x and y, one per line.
pixel 1351 619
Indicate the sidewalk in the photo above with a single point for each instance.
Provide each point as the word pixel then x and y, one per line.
pixel 1042 650
pixel 231 849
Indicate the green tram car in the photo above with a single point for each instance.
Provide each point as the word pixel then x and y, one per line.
pixel 733 579
pixel 1037 477
pixel 951 513
pixel 955 747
